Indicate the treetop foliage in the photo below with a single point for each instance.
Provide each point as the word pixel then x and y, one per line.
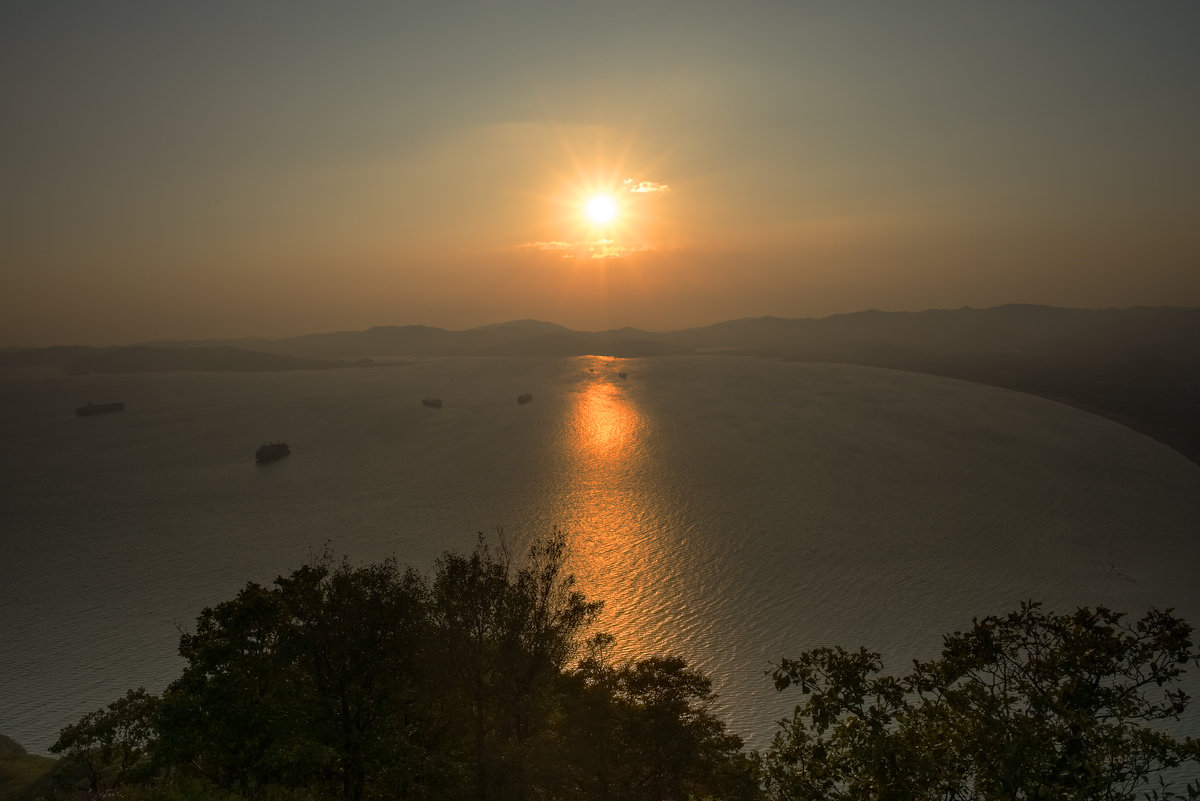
pixel 338 681
pixel 1030 705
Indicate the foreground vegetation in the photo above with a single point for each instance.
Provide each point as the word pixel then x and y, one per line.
pixel 22 774
pixel 482 682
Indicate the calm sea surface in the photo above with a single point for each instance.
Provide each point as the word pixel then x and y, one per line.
pixel 731 510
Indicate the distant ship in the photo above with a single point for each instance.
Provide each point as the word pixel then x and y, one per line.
pixel 622 375
pixel 526 398
pixel 270 451
pixel 99 408
pixel 435 403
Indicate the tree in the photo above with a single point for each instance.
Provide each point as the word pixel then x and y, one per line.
pixel 378 682
pixel 355 635
pixel 114 742
pixel 235 714
pixel 673 746
pixel 644 730
pixel 1031 705
pixel 503 634
pixel 313 679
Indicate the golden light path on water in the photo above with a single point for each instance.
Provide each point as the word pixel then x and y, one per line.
pixel 615 551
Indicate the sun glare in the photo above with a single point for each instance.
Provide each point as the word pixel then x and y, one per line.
pixel 601 209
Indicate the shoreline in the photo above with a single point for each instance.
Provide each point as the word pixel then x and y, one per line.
pixel 1159 400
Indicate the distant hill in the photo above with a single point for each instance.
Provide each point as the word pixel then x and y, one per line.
pixel 139 359
pixel 580 344
pixel 23 775
pixel 43 357
pixel 517 338
pixel 1094 336
pixel 1099 335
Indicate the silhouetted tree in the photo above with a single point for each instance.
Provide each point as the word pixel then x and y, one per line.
pixel 1027 706
pixel 316 678
pixel 237 714
pixel 504 633
pixel 355 635
pixel 678 748
pixel 377 682
pixel 112 743
pixel 644 730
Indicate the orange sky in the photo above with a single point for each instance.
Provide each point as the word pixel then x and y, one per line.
pixel 218 171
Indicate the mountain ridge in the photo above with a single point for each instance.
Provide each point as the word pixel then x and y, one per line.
pixel 1139 366
pixel 745 331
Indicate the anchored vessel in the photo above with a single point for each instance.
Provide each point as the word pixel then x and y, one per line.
pixel 270 451
pixel 435 403
pixel 526 398
pixel 99 408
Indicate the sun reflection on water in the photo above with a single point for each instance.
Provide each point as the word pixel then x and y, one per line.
pixel 605 426
pixel 616 519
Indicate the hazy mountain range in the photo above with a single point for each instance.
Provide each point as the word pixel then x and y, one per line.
pixel 1140 366
pixel 1095 334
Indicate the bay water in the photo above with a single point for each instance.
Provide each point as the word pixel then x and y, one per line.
pixel 729 509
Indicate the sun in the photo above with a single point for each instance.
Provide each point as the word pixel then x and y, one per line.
pixel 601 209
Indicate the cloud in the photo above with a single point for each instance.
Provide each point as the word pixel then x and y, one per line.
pixel 553 247
pixel 597 249
pixel 611 249
pixel 645 186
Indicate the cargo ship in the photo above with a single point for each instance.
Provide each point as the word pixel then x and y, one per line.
pixel 270 451
pixel 99 408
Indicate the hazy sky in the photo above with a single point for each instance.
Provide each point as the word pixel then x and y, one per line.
pixel 211 169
